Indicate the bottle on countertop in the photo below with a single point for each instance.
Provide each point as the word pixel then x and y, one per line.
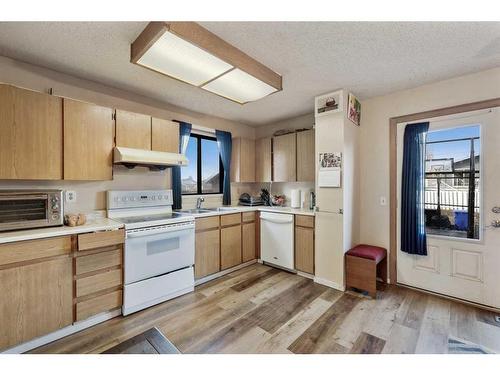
pixel 312 200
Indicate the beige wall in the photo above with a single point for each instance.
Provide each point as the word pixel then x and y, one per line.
pixel 300 122
pixel 91 195
pixel 374 132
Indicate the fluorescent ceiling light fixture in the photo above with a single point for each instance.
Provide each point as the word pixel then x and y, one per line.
pixel 239 86
pixel 184 61
pixel 192 54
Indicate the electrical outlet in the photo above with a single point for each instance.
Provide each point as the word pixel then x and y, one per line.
pixel 383 201
pixel 70 196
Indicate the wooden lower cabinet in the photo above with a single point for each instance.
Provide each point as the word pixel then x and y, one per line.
pixel 248 241
pixel 36 299
pixel 304 244
pixel 98 278
pixel 207 257
pixel 230 246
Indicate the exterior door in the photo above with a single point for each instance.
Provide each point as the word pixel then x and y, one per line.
pixel 462 267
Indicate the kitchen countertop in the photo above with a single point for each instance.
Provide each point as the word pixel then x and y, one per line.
pixel 238 209
pixel 100 224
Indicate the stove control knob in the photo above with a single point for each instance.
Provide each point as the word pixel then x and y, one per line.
pixel 160 197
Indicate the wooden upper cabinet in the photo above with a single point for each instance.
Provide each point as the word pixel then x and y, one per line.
pixel 305 156
pixel 243 160
pixel 88 141
pixel 133 130
pixel 263 160
pixel 285 158
pixel 165 135
pixel 31 135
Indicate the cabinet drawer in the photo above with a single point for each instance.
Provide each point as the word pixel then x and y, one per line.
pixel 99 261
pixel 231 219
pixel 304 221
pixel 89 241
pixel 98 305
pixel 248 217
pixel 96 283
pixel 207 223
pixel 34 249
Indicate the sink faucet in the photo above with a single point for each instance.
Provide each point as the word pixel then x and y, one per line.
pixel 199 201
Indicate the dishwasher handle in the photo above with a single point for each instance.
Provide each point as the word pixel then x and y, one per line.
pixel 275 221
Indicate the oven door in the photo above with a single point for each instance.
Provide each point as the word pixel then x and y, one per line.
pixel 24 211
pixel 151 252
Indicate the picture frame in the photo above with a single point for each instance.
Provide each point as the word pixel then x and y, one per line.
pixel 354 109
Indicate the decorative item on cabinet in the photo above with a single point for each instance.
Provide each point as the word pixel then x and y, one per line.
pixel 328 104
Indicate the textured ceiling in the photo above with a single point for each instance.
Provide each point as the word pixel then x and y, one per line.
pixel 368 58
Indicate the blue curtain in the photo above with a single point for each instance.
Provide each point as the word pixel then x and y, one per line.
pixel 225 144
pixel 413 238
pixel 184 132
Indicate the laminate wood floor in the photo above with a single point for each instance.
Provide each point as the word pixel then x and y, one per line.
pixel 259 309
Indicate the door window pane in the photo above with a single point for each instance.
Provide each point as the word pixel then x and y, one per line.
pixel 452 176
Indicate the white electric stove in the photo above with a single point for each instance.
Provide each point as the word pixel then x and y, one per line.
pixel 159 247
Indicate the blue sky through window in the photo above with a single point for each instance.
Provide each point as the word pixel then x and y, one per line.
pixel 457 150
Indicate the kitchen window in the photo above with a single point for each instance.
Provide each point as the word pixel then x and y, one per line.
pixel 203 174
pixel 452 182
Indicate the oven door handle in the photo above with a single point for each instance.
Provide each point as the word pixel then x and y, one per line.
pixel 165 233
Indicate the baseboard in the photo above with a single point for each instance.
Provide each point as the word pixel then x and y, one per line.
pixel 208 278
pixel 329 283
pixel 63 332
pixel 305 274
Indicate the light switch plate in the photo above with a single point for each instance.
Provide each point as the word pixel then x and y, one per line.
pixel 70 196
pixel 383 201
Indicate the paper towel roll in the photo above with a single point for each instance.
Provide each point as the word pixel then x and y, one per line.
pixel 295 198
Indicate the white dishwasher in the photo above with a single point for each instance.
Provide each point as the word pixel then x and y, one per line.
pixel 277 239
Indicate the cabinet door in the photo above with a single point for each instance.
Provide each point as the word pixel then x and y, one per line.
pixel 165 135
pixel 304 249
pixel 31 135
pixel 285 158
pixel 230 246
pixel 305 156
pixel 88 141
pixel 247 160
pixel 263 160
pixel 36 299
pixel 248 241
pixel 243 160
pixel 133 130
pixel 207 253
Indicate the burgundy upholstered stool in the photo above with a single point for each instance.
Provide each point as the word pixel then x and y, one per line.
pixel 363 264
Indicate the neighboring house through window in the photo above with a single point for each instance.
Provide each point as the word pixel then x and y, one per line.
pixel 203 174
pixel 452 180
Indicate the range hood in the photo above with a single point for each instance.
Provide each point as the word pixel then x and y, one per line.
pixel 131 157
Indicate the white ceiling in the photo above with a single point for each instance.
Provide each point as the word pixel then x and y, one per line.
pixel 368 58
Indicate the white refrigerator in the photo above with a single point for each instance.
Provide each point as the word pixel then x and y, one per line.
pixel 337 209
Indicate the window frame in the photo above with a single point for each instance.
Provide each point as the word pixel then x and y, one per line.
pixel 199 181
